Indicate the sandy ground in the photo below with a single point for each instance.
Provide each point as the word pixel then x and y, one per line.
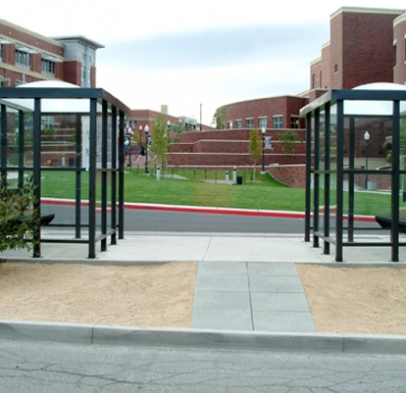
pixel 356 300
pixel 341 299
pixel 145 296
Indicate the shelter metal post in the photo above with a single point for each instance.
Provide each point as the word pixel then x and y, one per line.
pixel 37 176
pixel 121 177
pixel 327 178
pixel 104 177
pixel 114 174
pixel 316 199
pixel 3 145
pixel 78 176
pixel 21 148
pixel 395 182
pixel 92 179
pixel 308 175
pixel 340 179
pixel 351 195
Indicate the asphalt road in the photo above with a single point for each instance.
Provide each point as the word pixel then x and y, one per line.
pixel 164 221
pixel 54 367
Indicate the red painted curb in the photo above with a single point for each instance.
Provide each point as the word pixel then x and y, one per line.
pixel 203 210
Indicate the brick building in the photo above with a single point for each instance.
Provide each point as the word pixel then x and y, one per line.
pixel 366 46
pixel 26 56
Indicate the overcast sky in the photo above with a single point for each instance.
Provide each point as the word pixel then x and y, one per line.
pixel 184 53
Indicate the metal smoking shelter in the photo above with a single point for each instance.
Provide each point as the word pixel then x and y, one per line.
pixel 78 134
pixel 355 167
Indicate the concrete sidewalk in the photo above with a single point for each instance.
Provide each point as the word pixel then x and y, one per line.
pixel 244 282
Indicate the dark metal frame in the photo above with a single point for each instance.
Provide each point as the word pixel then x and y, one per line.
pixel 312 113
pixel 117 114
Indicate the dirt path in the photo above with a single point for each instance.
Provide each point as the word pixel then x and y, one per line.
pixel 153 296
pixel 356 300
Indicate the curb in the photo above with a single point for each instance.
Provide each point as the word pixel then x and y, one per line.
pixel 201 339
pixel 202 209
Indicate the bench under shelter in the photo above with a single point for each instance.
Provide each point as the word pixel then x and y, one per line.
pixel 356 168
pixel 70 141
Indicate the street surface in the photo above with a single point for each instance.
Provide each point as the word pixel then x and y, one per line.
pixel 164 221
pixel 54 367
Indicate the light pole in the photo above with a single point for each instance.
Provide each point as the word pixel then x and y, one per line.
pixel 201 128
pixel 366 137
pixel 146 129
pixel 263 157
pixel 130 134
pixel 140 128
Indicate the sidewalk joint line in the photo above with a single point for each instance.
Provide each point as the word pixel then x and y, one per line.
pixel 250 298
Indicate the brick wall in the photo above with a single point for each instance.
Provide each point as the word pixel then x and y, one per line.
pixel 72 72
pixel 292 175
pixel 221 159
pixel 399 34
pixel 368 40
pixel 36 63
pixel 93 77
pixel 30 38
pixel 266 107
pixel 315 73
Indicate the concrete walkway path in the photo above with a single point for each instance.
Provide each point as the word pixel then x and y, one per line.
pixel 250 296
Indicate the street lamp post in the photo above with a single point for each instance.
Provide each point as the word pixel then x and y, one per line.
pixel 366 137
pixel 201 127
pixel 140 128
pixel 130 134
pixel 263 156
pixel 146 129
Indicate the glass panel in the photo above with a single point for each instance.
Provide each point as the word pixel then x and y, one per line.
pixel 402 163
pixel 58 140
pixel 365 142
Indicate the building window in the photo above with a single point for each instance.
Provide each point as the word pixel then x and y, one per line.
pixel 1 52
pixel 249 123
pixel 262 122
pixel 335 67
pixel 313 81
pixel 321 80
pixel 294 122
pixel 48 67
pixel 277 122
pixel 230 125
pixel 23 59
pixel 238 124
pixel 47 122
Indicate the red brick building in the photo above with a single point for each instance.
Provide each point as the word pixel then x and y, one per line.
pixel 366 46
pixel 26 56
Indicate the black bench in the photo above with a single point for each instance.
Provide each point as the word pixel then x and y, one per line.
pixel 45 219
pixel 386 223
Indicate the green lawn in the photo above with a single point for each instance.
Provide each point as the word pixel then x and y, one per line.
pixel 267 194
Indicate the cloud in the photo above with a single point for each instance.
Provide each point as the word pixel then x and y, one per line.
pixel 216 47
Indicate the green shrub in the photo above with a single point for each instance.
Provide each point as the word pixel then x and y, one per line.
pixel 17 220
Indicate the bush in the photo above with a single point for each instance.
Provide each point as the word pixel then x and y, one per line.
pixel 18 222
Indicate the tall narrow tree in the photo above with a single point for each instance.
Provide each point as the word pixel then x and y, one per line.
pixel 255 147
pixel 160 140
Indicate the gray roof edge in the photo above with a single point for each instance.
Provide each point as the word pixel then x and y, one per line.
pixel 80 38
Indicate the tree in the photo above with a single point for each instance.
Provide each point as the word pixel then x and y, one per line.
pixel 17 222
pixel 255 147
pixel 288 140
pixel 220 118
pixel 160 140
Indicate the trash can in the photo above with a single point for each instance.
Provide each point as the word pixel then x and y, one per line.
pixel 239 179
pixel 371 186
